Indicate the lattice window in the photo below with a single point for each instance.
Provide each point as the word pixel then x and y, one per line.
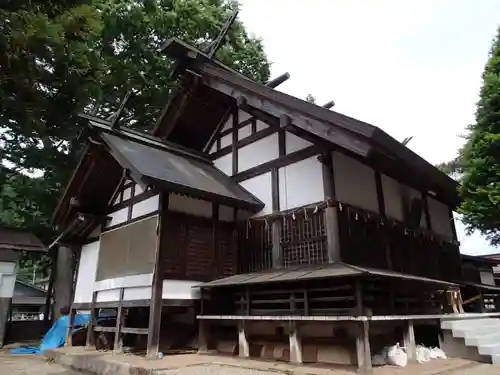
pixel 303 240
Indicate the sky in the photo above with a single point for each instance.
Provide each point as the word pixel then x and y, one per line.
pixel 412 68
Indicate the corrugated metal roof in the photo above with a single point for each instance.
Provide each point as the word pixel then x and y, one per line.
pixel 181 173
pixel 316 272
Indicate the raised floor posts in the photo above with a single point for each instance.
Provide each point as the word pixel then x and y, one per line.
pixel 363 350
pixel 295 343
pixel 243 346
pixel 409 341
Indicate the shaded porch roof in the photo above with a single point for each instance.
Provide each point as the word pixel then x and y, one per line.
pixel 316 272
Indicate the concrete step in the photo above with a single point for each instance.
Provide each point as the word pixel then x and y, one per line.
pixel 486 339
pixel 491 350
pixel 495 359
pixel 451 324
pixel 475 331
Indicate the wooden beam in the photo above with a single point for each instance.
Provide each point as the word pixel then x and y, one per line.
pixel 92 322
pixel 381 207
pixel 277 256
pixel 331 213
pixel 234 144
pixel 363 351
pixel 120 318
pixel 50 288
pixel 275 82
pixel 157 287
pixel 276 163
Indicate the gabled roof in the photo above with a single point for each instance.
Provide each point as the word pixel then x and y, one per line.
pixel 212 88
pixel 19 239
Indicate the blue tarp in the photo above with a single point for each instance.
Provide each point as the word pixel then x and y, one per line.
pixel 56 336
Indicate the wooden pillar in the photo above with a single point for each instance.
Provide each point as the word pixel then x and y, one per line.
pixel 331 213
pixel 277 256
pixel 50 288
pixel 120 318
pixel 202 336
pixel 243 346
pixel 409 341
pixel 363 351
pixel 92 322
pixel 295 343
pixel 381 209
pixel 63 283
pixel 71 324
pixel 157 287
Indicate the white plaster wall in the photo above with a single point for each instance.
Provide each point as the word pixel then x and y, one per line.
pixel 412 193
pixel 138 190
pixel 261 125
pixel 226 140
pixel 244 132
pixel 8 272
pixel 172 289
pixel 146 206
pixel 117 217
pixel 354 182
pixel 301 183
pixel 257 153
pixel 127 193
pixel 124 282
pixel 487 277
pixel 294 143
pixel 440 218
pixel 392 198
pixel 87 268
pixel 260 186
pixel 195 207
pixel 225 164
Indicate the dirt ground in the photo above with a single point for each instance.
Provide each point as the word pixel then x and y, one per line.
pixel 194 364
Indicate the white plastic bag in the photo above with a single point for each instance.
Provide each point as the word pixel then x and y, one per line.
pixel 423 354
pixel 396 356
pixel 437 353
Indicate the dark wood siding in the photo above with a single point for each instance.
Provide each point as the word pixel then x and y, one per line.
pixel 194 252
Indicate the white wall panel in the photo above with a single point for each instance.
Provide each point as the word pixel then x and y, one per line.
pixel 257 153
pixel 225 164
pixel 138 189
pixel 301 183
pixel 196 207
pixel 260 186
pixel 117 217
pixel 354 182
pixel 294 143
pixel 87 268
pixel 226 140
pixel 487 277
pixel 146 206
pixel 125 282
pixel 229 123
pixel 440 218
pixel 261 125
pixel 108 295
pixel 244 132
pixel 8 272
pixel 392 198
pixel 127 193
pixel 180 289
pixel 132 294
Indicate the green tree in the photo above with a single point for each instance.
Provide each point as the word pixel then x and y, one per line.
pixel 479 160
pixel 58 57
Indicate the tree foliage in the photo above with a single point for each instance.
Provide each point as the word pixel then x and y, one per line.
pixel 479 160
pixel 57 57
